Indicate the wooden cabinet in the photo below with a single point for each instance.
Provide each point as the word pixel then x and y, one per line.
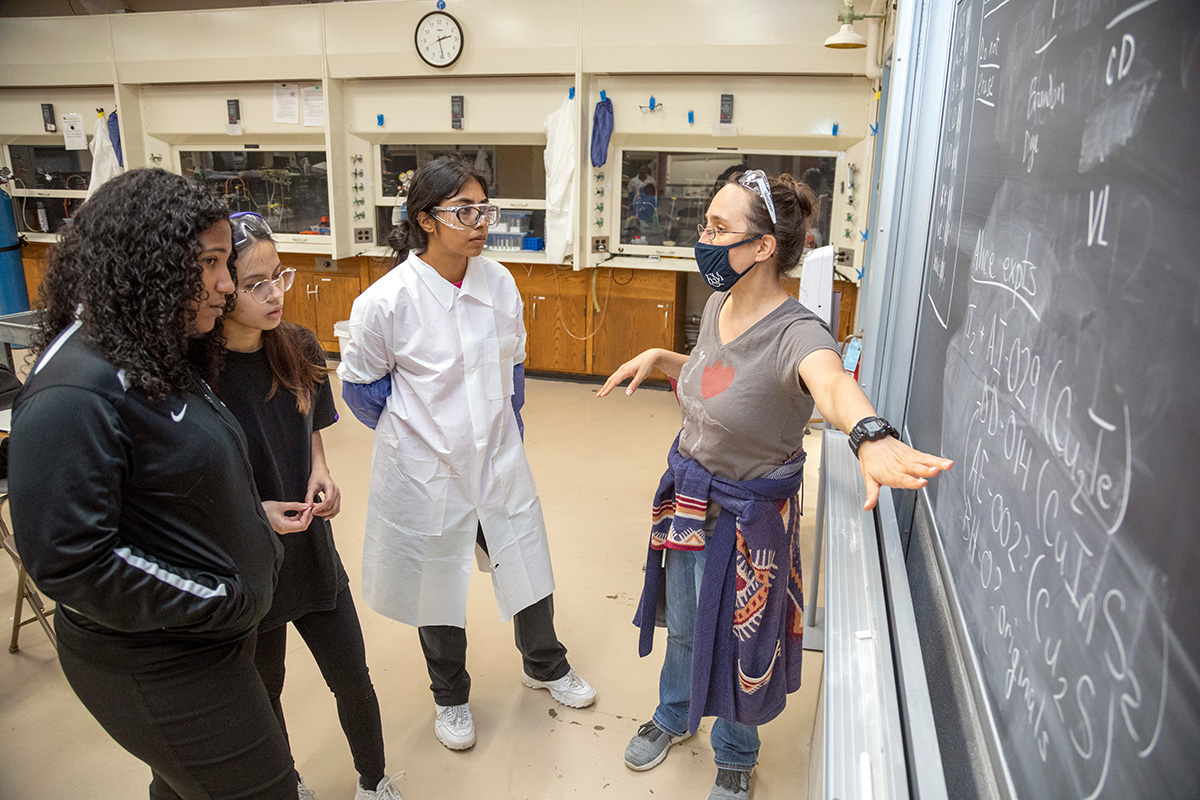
pixel 550 321
pixel 318 300
pixel 634 310
pixel 35 258
pixel 848 306
pixel 556 321
pixel 845 295
pixel 376 268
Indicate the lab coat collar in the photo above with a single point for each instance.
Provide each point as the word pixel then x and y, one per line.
pixel 474 282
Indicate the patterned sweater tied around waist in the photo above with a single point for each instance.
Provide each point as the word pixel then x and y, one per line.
pixel 750 626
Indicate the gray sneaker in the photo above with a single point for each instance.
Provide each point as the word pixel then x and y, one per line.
pixel 730 785
pixel 649 746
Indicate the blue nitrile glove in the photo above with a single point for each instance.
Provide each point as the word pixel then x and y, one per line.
pixel 368 400
pixel 518 398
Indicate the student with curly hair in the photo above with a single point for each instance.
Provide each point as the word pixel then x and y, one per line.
pixel 133 501
pixel 276 384
pixel 724 551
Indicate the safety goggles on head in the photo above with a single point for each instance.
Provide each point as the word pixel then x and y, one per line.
pixel 262 290
pixel 756 181
pixel 248 227
pixel 469 216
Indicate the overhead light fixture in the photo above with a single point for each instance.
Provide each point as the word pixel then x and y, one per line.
pixel 847 38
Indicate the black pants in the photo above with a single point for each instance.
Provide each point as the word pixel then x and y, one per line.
pixel 445 648
pixel 335 640
pixel 198 715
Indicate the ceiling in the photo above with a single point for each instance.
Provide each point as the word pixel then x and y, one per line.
pixel 69 8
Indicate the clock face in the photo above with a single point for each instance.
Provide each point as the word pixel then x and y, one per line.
pixel 439 39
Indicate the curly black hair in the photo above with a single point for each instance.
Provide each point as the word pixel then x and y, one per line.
pixel 129 268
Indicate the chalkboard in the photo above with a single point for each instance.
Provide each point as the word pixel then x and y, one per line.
pixel 1056 362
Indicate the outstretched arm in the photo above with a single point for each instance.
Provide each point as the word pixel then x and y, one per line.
pixel 640 366
pixel 884 462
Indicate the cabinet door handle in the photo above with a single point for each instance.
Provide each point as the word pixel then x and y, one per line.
pixel 666 313
pixel 535 308
pixel 313 291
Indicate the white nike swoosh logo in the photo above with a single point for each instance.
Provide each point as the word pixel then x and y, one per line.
pixel 179 417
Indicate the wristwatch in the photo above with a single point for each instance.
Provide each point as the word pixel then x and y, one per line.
pixel 870 429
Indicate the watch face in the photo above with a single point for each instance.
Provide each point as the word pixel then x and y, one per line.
pixel 873 427
pixel 439 39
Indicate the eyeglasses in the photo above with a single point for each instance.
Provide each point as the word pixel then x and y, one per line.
pixel 756 181
pixel 470 216
pixel 262 290
pixel 248 227
pixel 713 233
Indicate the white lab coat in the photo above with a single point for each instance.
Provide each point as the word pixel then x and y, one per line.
pixel 447 455
pixel 561 143
pixel 104 158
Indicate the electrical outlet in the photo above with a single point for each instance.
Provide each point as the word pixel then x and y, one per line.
pixel 325 264
pixel 363 235
pixel 599 244
pixel 844 257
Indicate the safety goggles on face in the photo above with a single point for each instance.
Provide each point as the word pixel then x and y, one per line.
pixel 262 290
pixel 756 181
pixel 248 227
pixel 469 216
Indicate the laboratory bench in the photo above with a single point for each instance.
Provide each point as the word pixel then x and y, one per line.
pixel 581 323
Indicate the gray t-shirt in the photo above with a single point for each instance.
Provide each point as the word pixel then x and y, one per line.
pixel 744 408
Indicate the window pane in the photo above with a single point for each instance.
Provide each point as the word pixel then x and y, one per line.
pixel 508 233
pixel 50 166
pixel 45 214
pixel 288 187
pixel 665 195
pixel 514 171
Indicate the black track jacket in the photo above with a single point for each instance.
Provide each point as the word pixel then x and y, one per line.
pixel 141 518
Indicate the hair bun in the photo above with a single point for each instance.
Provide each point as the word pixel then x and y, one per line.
pixel 806 198
pixel 397 237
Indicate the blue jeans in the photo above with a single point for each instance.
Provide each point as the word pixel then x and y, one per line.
pixel 735 745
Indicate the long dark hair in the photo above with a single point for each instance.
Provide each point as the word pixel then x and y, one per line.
pixel 794 204
pixel 442 177
pixel 292 351
pixel 129 268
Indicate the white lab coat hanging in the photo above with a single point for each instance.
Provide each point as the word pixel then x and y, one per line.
pixel 561 144
pixel 105 164
pixel 447 455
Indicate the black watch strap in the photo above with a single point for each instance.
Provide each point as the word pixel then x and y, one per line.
pixel 870 429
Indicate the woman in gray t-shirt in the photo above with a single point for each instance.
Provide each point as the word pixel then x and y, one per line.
pixel 760 364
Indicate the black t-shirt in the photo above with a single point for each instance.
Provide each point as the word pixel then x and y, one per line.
pixel 279 440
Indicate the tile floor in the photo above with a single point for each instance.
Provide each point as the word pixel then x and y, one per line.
pixel 597 463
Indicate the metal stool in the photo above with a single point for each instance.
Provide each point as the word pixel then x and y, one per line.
pixel 26 591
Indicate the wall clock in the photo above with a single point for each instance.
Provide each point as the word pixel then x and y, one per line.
pixel 439 39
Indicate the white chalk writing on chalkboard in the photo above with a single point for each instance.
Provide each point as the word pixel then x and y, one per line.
pixel 1062 244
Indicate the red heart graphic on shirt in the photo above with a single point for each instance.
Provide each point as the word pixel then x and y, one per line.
pixel 716 379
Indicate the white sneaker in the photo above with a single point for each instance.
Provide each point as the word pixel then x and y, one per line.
pixel 305 793
pixel 454 726
pixel 570 690
pixel 386 790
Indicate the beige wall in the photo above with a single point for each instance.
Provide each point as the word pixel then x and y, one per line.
pixel 171 73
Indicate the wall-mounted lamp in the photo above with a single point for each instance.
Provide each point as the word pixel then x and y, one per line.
pixel 847 38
